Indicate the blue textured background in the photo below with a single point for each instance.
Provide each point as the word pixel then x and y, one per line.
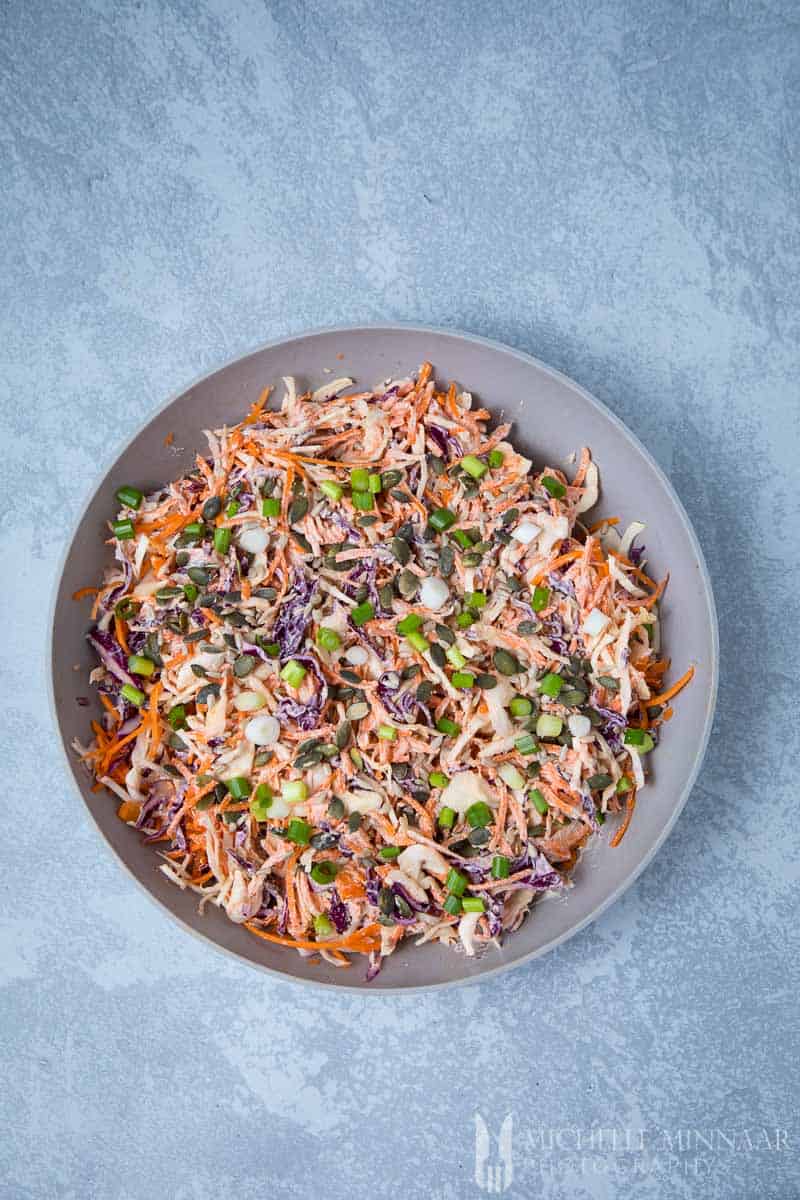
pixel 611 186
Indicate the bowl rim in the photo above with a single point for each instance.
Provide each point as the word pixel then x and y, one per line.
pixel 711 702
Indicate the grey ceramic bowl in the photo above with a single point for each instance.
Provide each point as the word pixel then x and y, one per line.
pixel 552 418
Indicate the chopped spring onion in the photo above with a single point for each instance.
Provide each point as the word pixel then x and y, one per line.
pixel 387 853
pixel 447 817
pixel 462 679
pixel 510 775
pixel 239 787
pixel 271 507
pixel 129 496
pixel 456 883
pixel 540 599
pixel 328 639
pixel 294 791
pixel 452 905
pixel 261 801
pixel 623 785
pixel 139 665
pixel 418 641
pixel 501 867
pixel 434 593
pixel 442 518
pixel 538 801
pixel 323 872
pixel 639 739
pixel 222 540
pixel 551 685
pixel 362 501
pixel 473 904
pixel 520 706
pixel 323 926
pixel 462 538
pixel 409 623
pixel 464 620
pixel 554 487
pixel 526 744
pixel 438 779
pixel 124 530
pixel 475 599
pixel 473 466
pixel 359 479
pixel 331 489
pixel 496 459
pixel 177 716
pixel 455 657
pixel 362 613
pixel 375 484
pixel 133 695
pixel 479 815
pixel 579 726
pixel 293 673
pixel 387 732
pixel 445 725
pixel 549 726
pixel 525 532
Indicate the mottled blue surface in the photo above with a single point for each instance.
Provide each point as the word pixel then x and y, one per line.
pixel 611 186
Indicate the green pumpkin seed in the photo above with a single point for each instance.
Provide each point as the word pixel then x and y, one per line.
pixel 486 682
pixel 205 802
pixel 400 770
pixel 365 522
pixel 424 691
pixel 505 663
pixel 509 515
pixel 409 672
pixel 199 576
pixel 572 697
pixel 386 596
pixel 437 654
pixel 386 901
pixel 165 594
pixel 611 685
pixel 356 712
pixel 343 734
pixel 212 508
pixel 350 676
pixel 181 558
pixel 471 559
pixel 436 466
pixel 199 671
pixel 263 758
pixel 408 584
pixel 265 593
pixel 447 561
pixel 445 633
pixel 479 837
pixel 599 781
pixel 243 665
pixel 302 541
pixel 208 693
pixel 354 822
pixel 176 742
pixel 336 809
pixel 401 550
pixel 526 628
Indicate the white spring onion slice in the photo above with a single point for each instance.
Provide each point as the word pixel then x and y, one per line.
pixel 525 532
pixel 253 539
pixel 595 623
pixel 356 655
pixel 249 701
pixel 262 731
pixel 434 593
pixel 579 726
pixel 510 775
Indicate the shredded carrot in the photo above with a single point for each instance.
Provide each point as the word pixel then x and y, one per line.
pixel 361 941
pixel 623 829
pixel 169 439
pixel 85 591
pixel 672 691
